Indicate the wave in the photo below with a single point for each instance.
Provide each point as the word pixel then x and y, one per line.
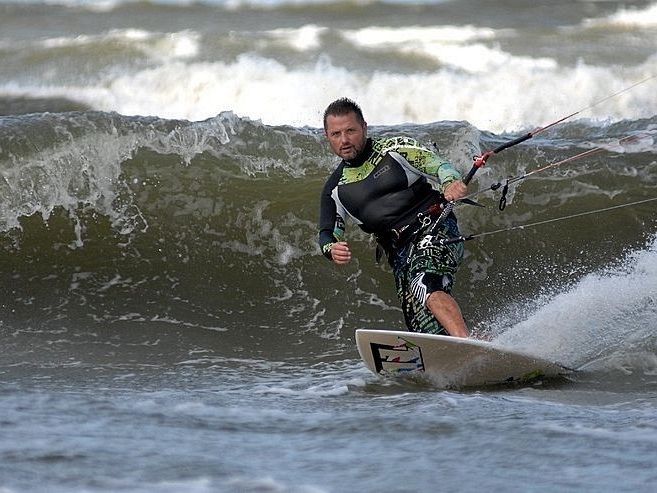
pixel 160 46
pixel 110 5
pixel 111 222
pixel 259 88
pixel 283 67
pixel 641 16
pixel 606 315
pixel 627 17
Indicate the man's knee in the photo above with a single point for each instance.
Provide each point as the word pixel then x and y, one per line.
pixel 426 283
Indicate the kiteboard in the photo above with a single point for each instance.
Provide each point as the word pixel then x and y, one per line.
pixel 450 362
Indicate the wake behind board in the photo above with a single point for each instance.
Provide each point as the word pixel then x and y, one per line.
pixel 449 361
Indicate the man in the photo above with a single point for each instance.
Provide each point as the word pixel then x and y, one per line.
pixel 382 184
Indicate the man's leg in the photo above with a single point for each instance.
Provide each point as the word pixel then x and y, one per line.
pixel 447 312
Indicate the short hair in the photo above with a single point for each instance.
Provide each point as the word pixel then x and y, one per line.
pixel 343 106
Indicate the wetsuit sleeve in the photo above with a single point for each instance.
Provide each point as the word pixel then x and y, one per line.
pixel 429 162
pixel 331 220
pixel 442 169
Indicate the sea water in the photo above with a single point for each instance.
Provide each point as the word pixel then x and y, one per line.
pixel 167 322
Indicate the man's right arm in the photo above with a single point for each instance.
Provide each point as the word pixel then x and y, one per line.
pixel 331 222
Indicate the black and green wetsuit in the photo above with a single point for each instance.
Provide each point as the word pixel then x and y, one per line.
pixel 383 190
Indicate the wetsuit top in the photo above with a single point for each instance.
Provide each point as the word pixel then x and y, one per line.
pixel 383 188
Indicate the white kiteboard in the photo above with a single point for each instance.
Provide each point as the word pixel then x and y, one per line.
pixel 450 362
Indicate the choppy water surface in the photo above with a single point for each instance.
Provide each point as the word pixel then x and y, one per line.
pixel 166 320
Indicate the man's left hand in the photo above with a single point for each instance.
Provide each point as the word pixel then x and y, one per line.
pixel 455 191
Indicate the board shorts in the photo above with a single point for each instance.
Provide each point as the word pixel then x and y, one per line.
pixel 422 267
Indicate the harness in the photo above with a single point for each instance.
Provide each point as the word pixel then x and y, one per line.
pixel 427 222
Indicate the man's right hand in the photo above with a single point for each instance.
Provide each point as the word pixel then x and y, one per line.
pixel 340 253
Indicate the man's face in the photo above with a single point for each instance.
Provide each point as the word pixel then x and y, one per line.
pixel 346 135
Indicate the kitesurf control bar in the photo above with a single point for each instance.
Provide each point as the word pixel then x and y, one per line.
pixel 515 179
pixel 480 161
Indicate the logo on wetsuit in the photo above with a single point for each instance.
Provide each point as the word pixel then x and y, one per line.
pixel 384 169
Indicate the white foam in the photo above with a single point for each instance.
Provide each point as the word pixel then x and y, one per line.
pixel 160 46
pixel 85 39
pixel 263 89
pixel 453 47
pixel 55 183
pixel 323 381
pixel 638 142
pixel 376 37
pixel 627 18
pixel 602 313
pixel 492 89
pixel 303 39
pixel 633 434
pixel 86 169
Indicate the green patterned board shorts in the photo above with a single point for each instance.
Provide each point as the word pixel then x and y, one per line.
pixel 422 267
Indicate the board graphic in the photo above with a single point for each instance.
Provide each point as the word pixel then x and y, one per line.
pixel 450 361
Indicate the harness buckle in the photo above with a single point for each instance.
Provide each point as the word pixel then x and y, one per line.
pixel 425 219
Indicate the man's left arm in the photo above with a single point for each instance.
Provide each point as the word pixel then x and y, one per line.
pixel 433 164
